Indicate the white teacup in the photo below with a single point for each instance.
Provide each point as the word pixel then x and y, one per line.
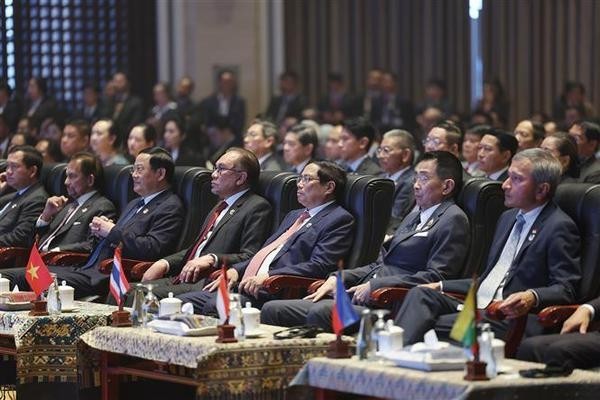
pixel 390 340
pixel 67 295
pixel 169 305
pixel 251 319
pixel 4 284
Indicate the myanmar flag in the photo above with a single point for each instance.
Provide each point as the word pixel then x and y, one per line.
pixel 36 272
pixel 464 328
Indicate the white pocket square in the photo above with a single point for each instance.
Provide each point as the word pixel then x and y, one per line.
pixel 77 223
pixel 422 234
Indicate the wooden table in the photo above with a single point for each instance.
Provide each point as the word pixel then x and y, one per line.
pixel 254 367
pixel 383 380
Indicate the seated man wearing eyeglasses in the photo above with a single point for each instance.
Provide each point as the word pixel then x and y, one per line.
pixel 430 244
pixel 233 231
pixel 309 242
pixel 148 228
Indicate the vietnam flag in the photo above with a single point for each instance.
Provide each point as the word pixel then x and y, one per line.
pixel 342 313
pixel 36 272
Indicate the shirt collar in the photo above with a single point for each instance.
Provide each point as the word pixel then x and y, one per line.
pixel 234 197
pixel 151 197
pixel 85 197
pixel 300 167
pixel 426 214
pixel 20 192
pixel 530 216
pixel 315 210
pixel 398 174
pixel 496 175
pixel 262 159
pixel 356 163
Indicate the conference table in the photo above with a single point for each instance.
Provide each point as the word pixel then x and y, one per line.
pixel 259 367
pixel 43 353
pixel 333 378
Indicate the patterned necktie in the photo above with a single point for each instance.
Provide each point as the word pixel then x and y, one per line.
pixel 93 258
pixel 70 210
pixel 491 283
pixel 259 258
pixel 207 228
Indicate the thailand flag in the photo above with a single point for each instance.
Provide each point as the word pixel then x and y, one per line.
pixel 118 282
pixel 342 313
pixel 223 297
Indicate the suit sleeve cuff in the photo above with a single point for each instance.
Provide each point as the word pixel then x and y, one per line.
pixel 537 298
pixel 168 265
pixel 41 223
pixel 591 309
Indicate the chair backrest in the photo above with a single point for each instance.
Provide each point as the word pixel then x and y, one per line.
pixel 369 199
pixel 192 184
pixel 117 186
pixel 483 202
pixel 52 177
pixel 581 201
pixel 279 188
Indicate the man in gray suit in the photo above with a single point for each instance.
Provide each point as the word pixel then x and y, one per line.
pixel 587 137
pixel 355 142
pixel 64 223
pixel 19 211
pixel 430 244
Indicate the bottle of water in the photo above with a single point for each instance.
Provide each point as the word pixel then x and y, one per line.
pixel 364 343
pixel 150 308
pixel 54 305
pixel 486 350
pixel 236 317
pixel 137 311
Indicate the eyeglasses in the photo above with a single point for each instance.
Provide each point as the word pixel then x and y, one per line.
pixel 385 150
pixel 137 169
pixel 304 179
pixel 219 169
pixel 433 141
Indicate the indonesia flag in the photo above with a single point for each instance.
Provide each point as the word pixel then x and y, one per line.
pixel 342 313
pixel 118 282
pixel 223 298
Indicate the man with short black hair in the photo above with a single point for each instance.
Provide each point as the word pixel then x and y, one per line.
pixel 261 139
pixel 355 142
pixel 18 211
pixel 299 146
pixel 309 242
pixel 587 137
pixel 431 243
pixel 290 103
pixel 495 151
pixel 75 138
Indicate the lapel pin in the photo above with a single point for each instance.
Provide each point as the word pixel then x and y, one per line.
pixel 232 211
pixel 308 224
pixel 13 206
pixel 532 235
pixel 145 211
pixel 83 210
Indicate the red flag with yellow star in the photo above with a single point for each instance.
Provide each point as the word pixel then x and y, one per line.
pixel 36 272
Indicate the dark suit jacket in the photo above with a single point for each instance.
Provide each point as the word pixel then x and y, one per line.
pixel 47 109
pixel 237 236
pixel 547 262
pixel 188 157
pixel 502 176
pixel 294 108
pixel 12 113
pixel 401 114
pixel 237 112
pixel 348 106
pixel 131 114
pixel 404 199
pixel 101 111
pixel 316 248
pixel 590 171
pixel 368 167
pixel 74 235
pixel 437 251
pixel 17 222
pixel 274 163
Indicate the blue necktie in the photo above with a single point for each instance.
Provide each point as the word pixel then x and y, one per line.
pixel 93 258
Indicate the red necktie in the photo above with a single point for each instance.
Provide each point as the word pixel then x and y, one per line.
pixel 259 257
pixel 208 227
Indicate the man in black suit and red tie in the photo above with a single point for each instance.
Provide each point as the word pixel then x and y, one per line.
pixel 233 232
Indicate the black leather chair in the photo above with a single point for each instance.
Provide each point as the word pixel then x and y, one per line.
pixel 117 186
pixel 483 202
pixel 279 188
pixel 52 177
pixel 192 184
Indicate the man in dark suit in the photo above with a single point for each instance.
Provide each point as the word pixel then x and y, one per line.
pixel 574 347
pixel 308 242
pixel 19 211
pixel 396 154
pixel 495 151
pixel 9 108
pixel 225 103
pixel 233 232
pixel 290 103
pixel 64 225
pixel 299 146
pixel 148 229
pixel 127 110
pixel 355 142
pixel 39 106
pixel 430 244
pixel 4 136
pixel 533 260
pixel 261 139
pixel 94 107
pixel 337 105
pixel 390 110
pixel 587 137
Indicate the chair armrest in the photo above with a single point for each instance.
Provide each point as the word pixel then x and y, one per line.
pixel 514 332
pixel 384 297
pixel 315 285
pixel 493 311
pixel 137 269
pixel 65 258
pixel 134 269
pixel 275 284
pixel 13 257
pixel 554 316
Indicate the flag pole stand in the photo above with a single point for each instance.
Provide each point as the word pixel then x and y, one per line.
pixel 338 348
pixel 121 318
pixel 40 308
pixel 476 371
pixel 226 333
